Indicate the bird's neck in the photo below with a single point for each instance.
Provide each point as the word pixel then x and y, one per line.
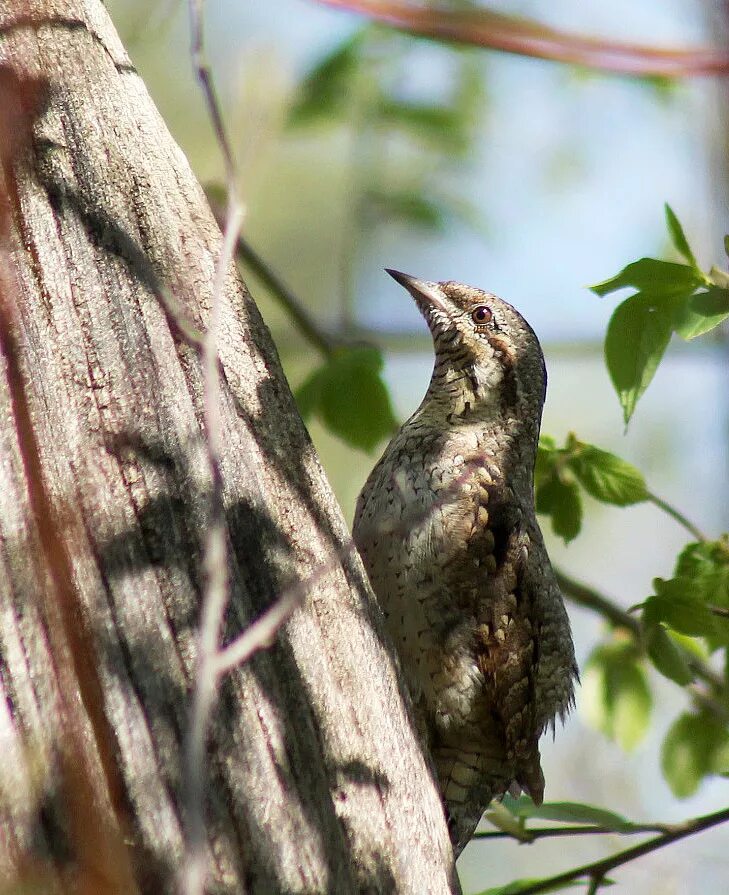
pixel 457 408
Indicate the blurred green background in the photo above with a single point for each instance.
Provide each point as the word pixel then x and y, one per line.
pixel 530 179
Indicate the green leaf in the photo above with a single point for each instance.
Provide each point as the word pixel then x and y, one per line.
pixel 547 443
pixel 726 244
pixel 696 648
pixel 414 208
pixel 408 206
pixel 695 745
pixel 705 569
pixel 349 396
pixel 307 395
pixel 637 337
pixel 665 655
pixel 701 559
pixel 546 455
pixel 325 91
pixel 500 815
pixel 701 313
pixel 576 813
pixel 616 696
pixel 678 603
pixel 440 125
pixel 561 501
pixel 653 277
pixel 606 477
pixel 449 126
pixel 678 237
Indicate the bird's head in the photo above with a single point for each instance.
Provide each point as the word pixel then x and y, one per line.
pixel 487 357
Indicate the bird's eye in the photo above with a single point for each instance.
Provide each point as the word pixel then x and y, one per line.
pixel 481 314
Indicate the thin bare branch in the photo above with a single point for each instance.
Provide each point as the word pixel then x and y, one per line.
pixel 599 869
pixel 215 562
pixel 202 70
pixel 595 883
pixel 261 633
pixel 590 598
pixel 307 326
pixel 692 529
pixel 526 37
pixel 531 834
pixel 294 307
pixel 584 595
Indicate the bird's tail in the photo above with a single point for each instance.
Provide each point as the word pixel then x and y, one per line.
pixel 470 780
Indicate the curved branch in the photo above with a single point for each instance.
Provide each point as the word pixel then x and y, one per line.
pixel 261 269
pixel 677 515
pixel 305 323
pixel 525 37
pixel 586 596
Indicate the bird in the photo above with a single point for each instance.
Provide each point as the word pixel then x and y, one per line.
pixel 447 529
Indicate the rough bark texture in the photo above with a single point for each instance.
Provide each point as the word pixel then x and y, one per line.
pixel 316 783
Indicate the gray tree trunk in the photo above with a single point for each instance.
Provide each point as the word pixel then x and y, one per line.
pixel 315 780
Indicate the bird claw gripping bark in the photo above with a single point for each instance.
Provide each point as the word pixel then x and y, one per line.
pixel 447 530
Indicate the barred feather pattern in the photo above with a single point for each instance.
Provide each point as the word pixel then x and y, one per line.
pixel 447 530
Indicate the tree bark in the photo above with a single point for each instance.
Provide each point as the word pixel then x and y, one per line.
pixel 315 779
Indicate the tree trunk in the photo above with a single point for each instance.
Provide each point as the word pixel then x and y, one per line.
pixel 315 779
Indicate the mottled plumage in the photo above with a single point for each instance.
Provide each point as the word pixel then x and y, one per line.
pixel 447 530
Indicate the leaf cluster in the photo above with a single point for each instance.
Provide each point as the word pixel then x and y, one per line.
pixel 670 298
pixel 563 473
pixel 684 618
pixel 358 85
pixel 348 395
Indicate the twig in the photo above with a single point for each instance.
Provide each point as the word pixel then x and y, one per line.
pixel 202 70
pixel 595 883
pixel 720 611
pixel 261 632
pixel 599 869
pixel 285 296
pixel 215 562
pixel 498 31
pixel 215 597
pixel 678 516
pixel 531 834
pixel 586 596
pixel 306 324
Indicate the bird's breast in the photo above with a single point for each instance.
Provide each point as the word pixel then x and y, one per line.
pixel 415 526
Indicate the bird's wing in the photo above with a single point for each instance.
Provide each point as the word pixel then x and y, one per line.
pixel 494 586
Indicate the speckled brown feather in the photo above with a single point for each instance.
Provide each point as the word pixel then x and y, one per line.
pixel 448 533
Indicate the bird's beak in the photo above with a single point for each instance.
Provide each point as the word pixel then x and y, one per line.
pixel 427 295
